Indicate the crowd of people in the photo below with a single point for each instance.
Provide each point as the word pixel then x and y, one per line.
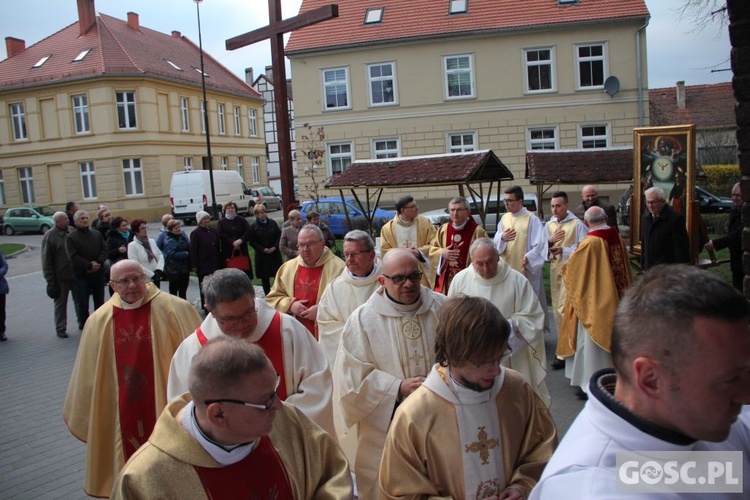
pixel 419 373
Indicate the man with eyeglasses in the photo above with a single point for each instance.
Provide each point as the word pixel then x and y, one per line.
pixel 234 311
pixel 301 281
pixel 664 238
pixel 386 350
pixel 118 385
pixel 492 278
pixel 474 429
pixel 410 230
pixel 232 437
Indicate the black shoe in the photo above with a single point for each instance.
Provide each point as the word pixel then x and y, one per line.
pixel 557 364
pixel 80 326
pixel 3 338
pixel 62 335
pixel 581 395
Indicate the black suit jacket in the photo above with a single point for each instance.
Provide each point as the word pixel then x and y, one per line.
pixel 664 241
pixel 733 240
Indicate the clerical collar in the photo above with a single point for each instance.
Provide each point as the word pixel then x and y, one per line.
pixel 134 305
pixel 375 270
pixel 225 455
pixel 400 306
pixel 405 222
pixel 602 387
pixel 458 228
pixel 467 394
pixel 519 213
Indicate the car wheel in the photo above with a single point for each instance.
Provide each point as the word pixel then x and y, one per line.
pixel 9 230
pixel 44 228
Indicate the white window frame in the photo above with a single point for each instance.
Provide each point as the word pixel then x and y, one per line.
pixel 541 143
pixel 26 185
pixel 203 117
pixel 222 124
pixel 80 103
pixel 374 15
pixel 338 157
pixel 336 83
pixel 463 147
pixel 538 64
pixel 255 167
pixel 252 121
pixel 187 164
pixel 132 173
pixel 590 60
pixel 382 81
pixel 589 141
pixel 185 113
pixel 2 189
pixel 389 152
pixel 237 124
pixel 458 6
pixel 447 73
pixel 240 167
pixel 223 162
pixel 126 107
pixel 88 179
pixel 18 122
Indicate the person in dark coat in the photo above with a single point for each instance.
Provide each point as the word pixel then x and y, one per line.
pixel 733 239
pixel 4 289
pixel 264 238
pixel 205 249
pixel 117 239
pixel 177 258
pixel 233 233
pixel 314 219
pixel 664 238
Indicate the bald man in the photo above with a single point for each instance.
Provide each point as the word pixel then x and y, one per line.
pixel 590 198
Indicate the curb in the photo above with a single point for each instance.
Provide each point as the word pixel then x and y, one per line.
pixel 12 255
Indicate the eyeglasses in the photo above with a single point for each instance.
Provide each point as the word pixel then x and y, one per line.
pixel 410 207
pixel 508 200
pixel 495 362
pixel 126 282
pixel 309 245
pixel 264 407
pixel 231 321
pixel 353 254
pixel 400 279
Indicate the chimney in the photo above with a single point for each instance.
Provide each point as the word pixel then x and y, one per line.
pixel 133 21
pixel 176 34
pixel 269 73
pixel 249 76
pixel 14 45
pixel 86 15
pixel 681 95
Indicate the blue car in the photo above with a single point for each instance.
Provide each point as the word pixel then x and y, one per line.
pixel 333 213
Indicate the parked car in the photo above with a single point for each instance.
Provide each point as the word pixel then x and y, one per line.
pixel 32 219
pixel 265 196
pixel 333 213
pixel 710 204
pixel 440 216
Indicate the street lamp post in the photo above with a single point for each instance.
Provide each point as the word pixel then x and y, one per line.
pixel 209 162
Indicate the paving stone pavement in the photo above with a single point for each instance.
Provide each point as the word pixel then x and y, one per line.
pixel 39 458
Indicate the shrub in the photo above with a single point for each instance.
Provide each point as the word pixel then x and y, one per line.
pixel 720 179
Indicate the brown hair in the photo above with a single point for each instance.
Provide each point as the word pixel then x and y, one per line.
pixel 135 225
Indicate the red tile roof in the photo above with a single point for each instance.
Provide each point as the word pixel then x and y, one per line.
pixel 415 19
pixel 591 166
pixel 116 50
pixel 430 170
pixel 707 106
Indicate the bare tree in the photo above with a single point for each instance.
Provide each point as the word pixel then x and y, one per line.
pixel 704 13
pixel 717 147
pixel 313 150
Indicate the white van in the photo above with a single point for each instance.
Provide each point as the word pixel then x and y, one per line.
pixel 190 191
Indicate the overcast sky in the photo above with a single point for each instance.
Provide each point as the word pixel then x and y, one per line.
pixel 674 52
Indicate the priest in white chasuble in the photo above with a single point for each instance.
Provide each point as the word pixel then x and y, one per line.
pixel 118 385
pixel 232 437
pixel 474 429
pixel 386 351
pixel 234 311
pixel 492 278
pixel 301 281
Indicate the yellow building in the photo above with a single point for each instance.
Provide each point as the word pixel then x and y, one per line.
pixel 417 77
pixel 105 110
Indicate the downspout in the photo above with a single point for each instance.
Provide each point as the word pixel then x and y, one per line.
pixel 639 64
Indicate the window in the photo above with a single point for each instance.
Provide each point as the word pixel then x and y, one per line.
pixel 81 55
pixel 237 126
pixel 339 156
pixel 336 88
pixel 458 6
pixel 126 110
pixel 240 168
pixel 459 80
pixel 382 84
pixel 386 148
pixel 223 161
pixel 594 136
pixel 187 163
pixel 203 117
pixel 542 138
pixel 252 119
pixel 88 179
pixel 255 166
pixel 373 16
pixel 173 65
pixel 222 127
pixel 81 114
pixel 26 184
pixel 185 114
pixel 41 61
pixel 590 65
pixel 539 70
pixel 461 143
pixel 133 176
pixel 18 122
pixel 2 189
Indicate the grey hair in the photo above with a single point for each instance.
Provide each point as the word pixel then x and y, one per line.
pixel 311 227
pixel 659 192
pixel 226 285
pixel 460 199
pixel 595 215
pixel 359 235
pixel 80 214
pixel 58 216
pixel 482 242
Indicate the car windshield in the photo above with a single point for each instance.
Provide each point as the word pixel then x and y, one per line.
pixel 46 211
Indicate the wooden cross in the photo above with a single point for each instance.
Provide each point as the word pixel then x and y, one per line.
pixel 275 32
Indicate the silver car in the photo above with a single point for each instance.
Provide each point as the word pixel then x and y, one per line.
pixel 266 196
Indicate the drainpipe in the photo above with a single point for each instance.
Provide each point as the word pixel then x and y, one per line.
pixel 639 64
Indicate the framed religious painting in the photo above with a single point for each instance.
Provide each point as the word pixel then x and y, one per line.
pixel 663 157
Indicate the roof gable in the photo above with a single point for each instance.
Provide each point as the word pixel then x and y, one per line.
pixel 590 166
pixel 706 106
pixel 415 19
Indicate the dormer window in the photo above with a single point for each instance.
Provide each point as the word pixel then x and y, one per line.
pixel 458 6
pixel 373 16
pixel 41 61
pixel 173 65
pixel 566 2
pixel 199 71
pixel 80 56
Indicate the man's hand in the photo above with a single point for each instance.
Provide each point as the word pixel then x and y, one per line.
pixel 236 244
pixel 450 253
pixel 508 235
pixel 95 266
pixel 269 250
pixel 557 236
pixel 556 250
pixel 510 494
pixel 310 314
pixel 409 385
pixel 123 249
pixel 525 262
pixel 298 307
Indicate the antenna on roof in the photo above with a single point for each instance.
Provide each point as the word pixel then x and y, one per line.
pixel 611 86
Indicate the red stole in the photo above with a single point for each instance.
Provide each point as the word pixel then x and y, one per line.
pixel 618 259
pixel 260 475
pixel 460 239
pixel 134 359
pixel 306 286
pixel 272 345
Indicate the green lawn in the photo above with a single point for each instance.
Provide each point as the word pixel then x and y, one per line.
pixel 10 248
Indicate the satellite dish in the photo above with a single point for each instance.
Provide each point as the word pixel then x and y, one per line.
pixel 611 86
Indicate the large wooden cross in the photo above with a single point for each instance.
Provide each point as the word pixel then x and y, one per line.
pixel 275 32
